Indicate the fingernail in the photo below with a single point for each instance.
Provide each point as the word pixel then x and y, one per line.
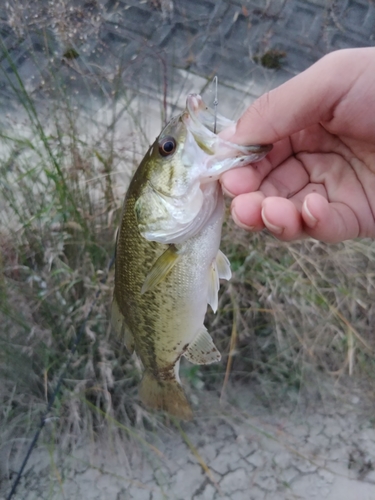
pixel 239 223
pixel 309 218
pixel 271 227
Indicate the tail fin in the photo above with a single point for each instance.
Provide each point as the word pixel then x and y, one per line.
pixel 166 395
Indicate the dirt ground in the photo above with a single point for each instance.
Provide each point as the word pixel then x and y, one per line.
pixel 241 449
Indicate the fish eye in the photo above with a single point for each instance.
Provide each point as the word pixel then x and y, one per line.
pixel 167 146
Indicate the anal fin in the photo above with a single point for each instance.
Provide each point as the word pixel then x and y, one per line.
pixel 119 326
pixel 160 268
pixel 202 351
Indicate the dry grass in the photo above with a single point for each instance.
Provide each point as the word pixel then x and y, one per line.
pixel 294 311
pixel 59 214
pixel 301 310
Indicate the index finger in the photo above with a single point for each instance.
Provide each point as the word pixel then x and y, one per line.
pixel 307 99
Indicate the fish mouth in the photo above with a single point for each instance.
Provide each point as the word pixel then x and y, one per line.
pixel 203 122
pixel 202 115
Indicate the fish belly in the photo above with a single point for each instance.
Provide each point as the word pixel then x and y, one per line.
pixel 185 291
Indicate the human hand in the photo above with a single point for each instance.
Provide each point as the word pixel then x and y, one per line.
pixel 319 179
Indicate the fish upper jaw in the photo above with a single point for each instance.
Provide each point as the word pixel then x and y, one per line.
pixel 194 102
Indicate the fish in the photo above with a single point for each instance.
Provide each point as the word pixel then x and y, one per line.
pixel 168 264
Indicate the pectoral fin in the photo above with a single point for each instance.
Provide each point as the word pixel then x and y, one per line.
pixel 213 286
pixel 119 326
pixel 223 266
pixel 160 268
pixel 220 268
pixel 202 351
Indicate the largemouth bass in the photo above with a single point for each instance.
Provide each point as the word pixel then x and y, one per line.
pixel 168 262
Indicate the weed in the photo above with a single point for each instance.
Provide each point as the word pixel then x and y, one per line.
pixel 271 59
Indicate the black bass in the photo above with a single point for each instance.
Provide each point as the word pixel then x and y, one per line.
pixel 168 262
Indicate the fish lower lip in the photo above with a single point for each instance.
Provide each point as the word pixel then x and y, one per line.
pixel 259 148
